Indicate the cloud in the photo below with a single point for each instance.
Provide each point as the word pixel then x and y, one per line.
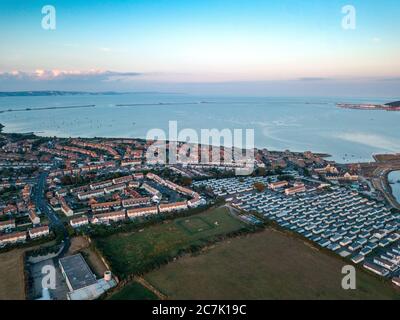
pixel 313 79
pixel 61 75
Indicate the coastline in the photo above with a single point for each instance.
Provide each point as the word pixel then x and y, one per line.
pixel 381 107
pixel 281 123
pixel 323 155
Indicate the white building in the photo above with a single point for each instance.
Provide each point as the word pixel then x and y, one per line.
pixel 12 238
pixel 134 213
pixel 79 222
pixel 7 225
pixel 109 216
pixel 168 207
pixel 39 232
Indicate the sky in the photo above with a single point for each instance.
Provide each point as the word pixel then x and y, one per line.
pixel 269 47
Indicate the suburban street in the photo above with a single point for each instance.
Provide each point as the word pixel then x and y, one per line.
pixel 42 204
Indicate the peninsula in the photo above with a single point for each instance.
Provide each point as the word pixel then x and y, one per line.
pixel 392 106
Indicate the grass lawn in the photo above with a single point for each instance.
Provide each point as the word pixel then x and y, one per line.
pixel 134 291
pixel 195 225
pixel 134 252
pixel 266 265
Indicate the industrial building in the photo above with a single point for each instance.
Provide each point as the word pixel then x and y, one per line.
pixel 76 272
pixel 81 281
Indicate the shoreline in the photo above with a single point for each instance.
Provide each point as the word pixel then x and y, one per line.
pixel 379 107
pixel 323 155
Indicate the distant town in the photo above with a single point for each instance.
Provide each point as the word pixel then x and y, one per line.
pixel 56 192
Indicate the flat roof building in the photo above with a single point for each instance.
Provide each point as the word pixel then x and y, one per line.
pixel 277 185
pixel 76 272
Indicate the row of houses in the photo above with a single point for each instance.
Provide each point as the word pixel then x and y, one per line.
pixel 100 188
pixel 195 200
pixel 125 203
pixel 123 214
pixel 10 224
pixel 83 169
pixel 18 237
pixel 120 215
pixel 151 190
pixel 7 225
pixel 126 163
pixel 59 153
pixel 297 187
pixel 99 146
pixel 65 208
pixel 101 192
pixel 169 184
pixel 86 152
pixel 25 164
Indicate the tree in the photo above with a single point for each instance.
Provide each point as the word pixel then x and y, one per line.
pixel 307 172
pixel 186 181
pixel 260 172
pixel 285 177
pixel 260 187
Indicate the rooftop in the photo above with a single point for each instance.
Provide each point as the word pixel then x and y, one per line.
pixel 77 271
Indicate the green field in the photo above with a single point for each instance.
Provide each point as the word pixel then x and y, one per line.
pixel 266 265
pixel 195 225
pixel 136 252
pixel 134 291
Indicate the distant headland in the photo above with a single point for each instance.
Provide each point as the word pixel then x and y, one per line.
pixel 392 106
pixel 46 93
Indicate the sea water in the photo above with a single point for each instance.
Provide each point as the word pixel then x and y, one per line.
pixel 279 123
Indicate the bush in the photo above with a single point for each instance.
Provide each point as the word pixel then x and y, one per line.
pixel 260 187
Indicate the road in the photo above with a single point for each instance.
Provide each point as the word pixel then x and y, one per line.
pixel 380 182
pixel 42 204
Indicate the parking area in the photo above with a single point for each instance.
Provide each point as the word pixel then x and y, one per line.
pixel 37 275
pixel 337 219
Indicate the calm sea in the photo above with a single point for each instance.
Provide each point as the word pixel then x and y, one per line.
pixel 297 124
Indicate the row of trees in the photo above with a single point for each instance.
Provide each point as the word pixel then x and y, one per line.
pixel 29 243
